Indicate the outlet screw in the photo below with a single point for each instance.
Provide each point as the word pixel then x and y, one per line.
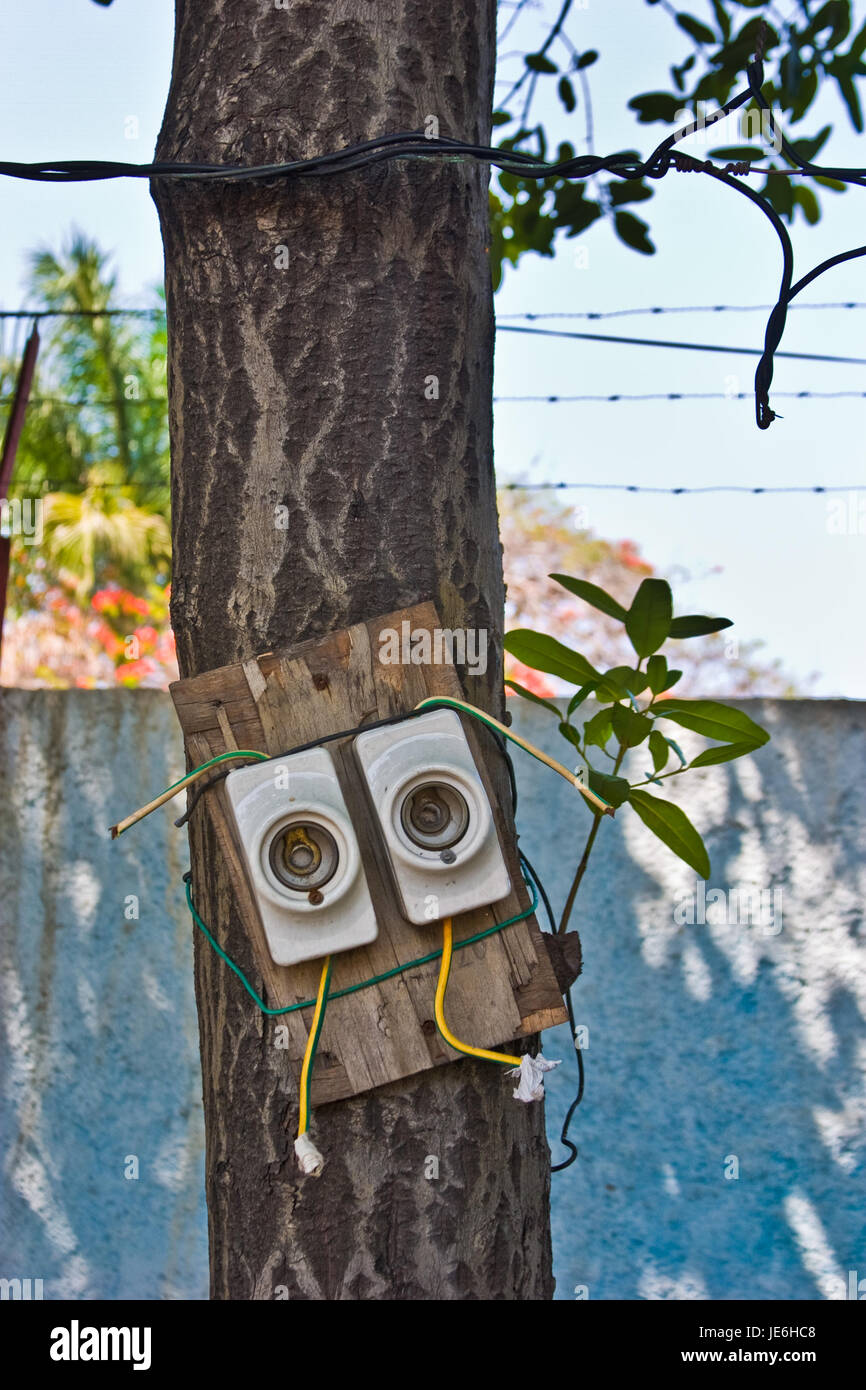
pixel 447 856
pixel 316 897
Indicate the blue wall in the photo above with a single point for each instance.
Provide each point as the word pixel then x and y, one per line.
pixel 714 1048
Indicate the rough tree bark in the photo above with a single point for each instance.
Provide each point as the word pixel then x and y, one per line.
pixel 305 320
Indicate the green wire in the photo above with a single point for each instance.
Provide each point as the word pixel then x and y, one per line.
pixel 221 758
pixel 376 979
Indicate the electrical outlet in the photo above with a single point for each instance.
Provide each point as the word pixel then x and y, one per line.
pixel 433 815
pixel 302 856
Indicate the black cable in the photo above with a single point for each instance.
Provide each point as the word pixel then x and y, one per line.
pixel 301 748
pixel 415 145
pixel 581 1075
pixel 542 892
pixel 581 1081
pixel 686 347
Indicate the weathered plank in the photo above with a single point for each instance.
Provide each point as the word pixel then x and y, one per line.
pixel 501 988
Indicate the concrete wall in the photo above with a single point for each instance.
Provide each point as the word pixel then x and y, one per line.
pixel 100 1062
pixel 715 1048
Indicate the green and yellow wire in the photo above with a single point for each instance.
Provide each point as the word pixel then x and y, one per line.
pixel 310 1159
pixel 600 805
pixel 439 1007
pixel 598 802
pixel 179 786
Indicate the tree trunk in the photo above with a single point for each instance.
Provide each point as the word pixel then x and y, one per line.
pixel 306 320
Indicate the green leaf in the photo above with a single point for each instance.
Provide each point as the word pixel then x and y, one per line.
pixel 536 699
pixel 679 73
pixel 500 118
pixel 570 733
pixel 722 19
pixel 673 828
pixel 805 199
pixel 579 698
pixel 613 789
pixel 858 44
pixel 630 728
pixel 597 731
pixel 659 750
pixel 620 682
pixel 713 720
pixel 695 625
pixel 566 94
pixel 633 231
pixel 736 153
pixel 591 593
pixel 657 674
pixel 851 99
pixel 808 148
pixel 544 653
pixel 648 621
pixel 587 59
pixel 537 62
pixel 722 755
pixel 655 106
pixel 701 33
pixel 673 676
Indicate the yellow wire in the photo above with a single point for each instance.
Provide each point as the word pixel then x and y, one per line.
pixel 439 1007
pixel 312 1040
pixel 603 807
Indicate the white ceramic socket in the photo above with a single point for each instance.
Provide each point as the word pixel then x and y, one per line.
pixel 268 800
pixel 431 751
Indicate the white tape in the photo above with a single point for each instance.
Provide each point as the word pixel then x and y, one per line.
pixel 309 1158
pixel 531 1073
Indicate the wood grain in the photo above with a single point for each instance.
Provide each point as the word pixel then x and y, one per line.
pixel 501 988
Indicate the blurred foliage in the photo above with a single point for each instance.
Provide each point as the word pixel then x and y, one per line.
pixel 807 49
pixel 94 454
pixel 541 536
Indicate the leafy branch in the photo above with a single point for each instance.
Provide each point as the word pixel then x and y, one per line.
pixel 802 54
pixel 632 701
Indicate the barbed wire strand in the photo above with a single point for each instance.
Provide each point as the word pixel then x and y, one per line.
pixel 678 491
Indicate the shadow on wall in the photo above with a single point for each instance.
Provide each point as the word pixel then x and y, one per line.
pixel 722 1133
pixel 102 1176
pixel 721 1136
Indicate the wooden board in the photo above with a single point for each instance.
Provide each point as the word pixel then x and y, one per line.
pixel 500 989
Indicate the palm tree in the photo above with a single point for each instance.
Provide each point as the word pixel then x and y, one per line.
pixel 95 444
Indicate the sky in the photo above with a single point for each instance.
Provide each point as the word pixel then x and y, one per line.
pixel 79 80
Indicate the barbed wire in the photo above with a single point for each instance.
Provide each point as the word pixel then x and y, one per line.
pixel 677 396
pixel 155 485
pixel 678 491
pixel 158 311
pixel 681 346
pixel 592 314
pixel 39 314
